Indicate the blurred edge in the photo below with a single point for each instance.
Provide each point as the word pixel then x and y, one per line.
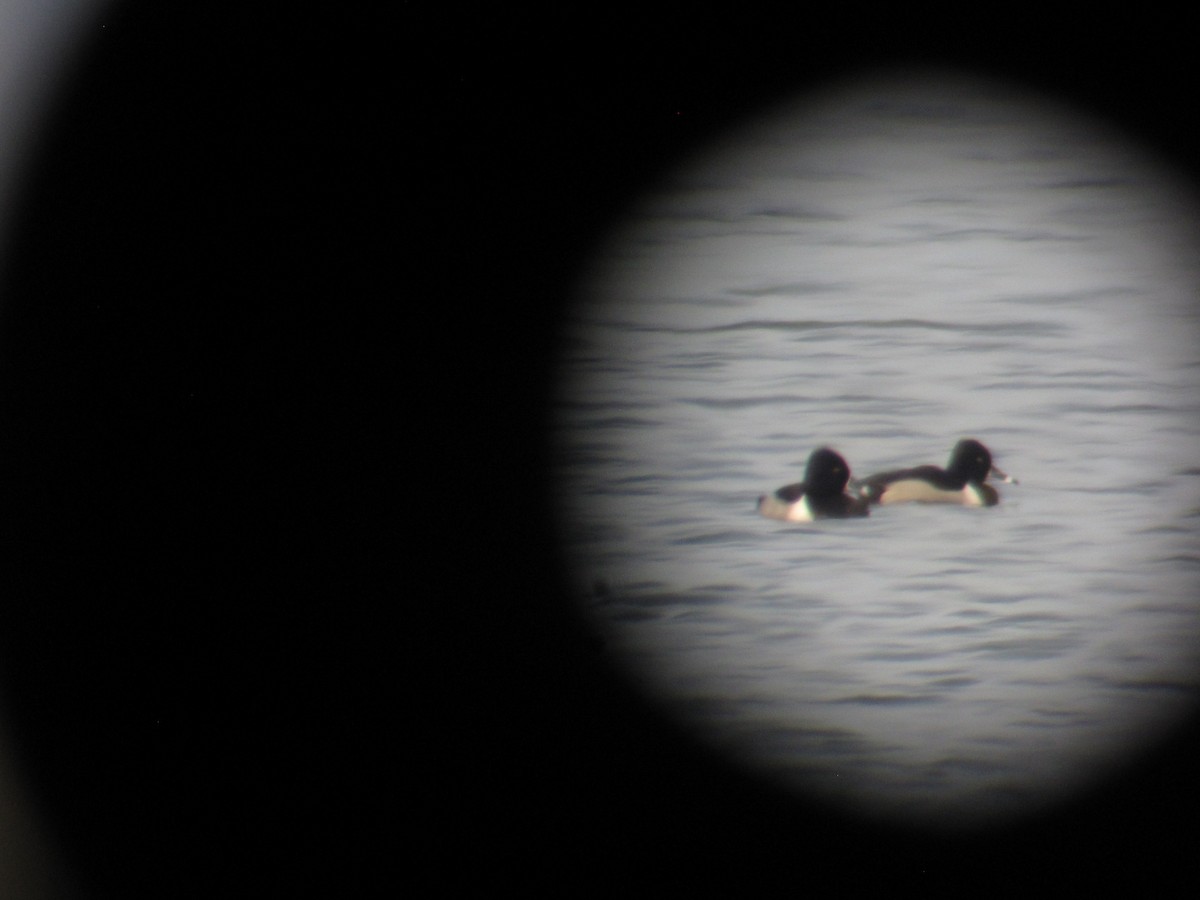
pixel 39 40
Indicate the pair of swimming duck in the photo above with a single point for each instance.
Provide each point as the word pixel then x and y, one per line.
pixel 822 494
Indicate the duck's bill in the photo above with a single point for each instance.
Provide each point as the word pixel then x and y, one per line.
pixel 1003 476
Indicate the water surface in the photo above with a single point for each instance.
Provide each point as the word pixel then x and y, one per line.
pixel 884 269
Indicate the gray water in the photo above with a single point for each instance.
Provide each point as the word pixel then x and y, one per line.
pixel 885 269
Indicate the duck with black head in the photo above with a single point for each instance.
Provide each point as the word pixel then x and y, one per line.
pixel 963 481
pixel 821 495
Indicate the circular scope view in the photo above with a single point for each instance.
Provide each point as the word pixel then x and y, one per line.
pixel 907 627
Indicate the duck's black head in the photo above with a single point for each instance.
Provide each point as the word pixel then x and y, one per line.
pixel 826 473
pixel 970 460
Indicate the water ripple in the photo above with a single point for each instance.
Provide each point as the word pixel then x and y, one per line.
pixel 1029 328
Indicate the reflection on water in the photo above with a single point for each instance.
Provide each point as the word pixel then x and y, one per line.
pixel 885 270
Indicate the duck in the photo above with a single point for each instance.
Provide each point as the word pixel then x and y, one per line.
pixel 963 481
pixel 821 495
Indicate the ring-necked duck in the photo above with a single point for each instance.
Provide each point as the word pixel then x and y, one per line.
pixel 821 495
pixel 962 481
